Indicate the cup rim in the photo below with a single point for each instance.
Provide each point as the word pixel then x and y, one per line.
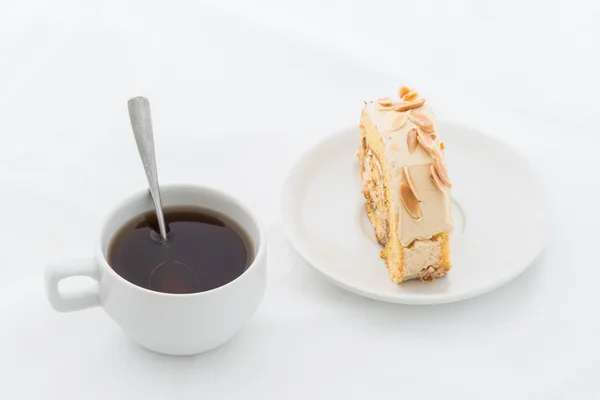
pixel 139 194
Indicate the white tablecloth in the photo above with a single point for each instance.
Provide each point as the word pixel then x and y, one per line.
pixel 238 91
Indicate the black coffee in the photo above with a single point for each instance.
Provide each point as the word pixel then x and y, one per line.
pixel 204 250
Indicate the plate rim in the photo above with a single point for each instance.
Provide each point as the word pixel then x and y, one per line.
pixel 410 299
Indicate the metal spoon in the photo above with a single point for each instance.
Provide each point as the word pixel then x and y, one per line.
pixel 141 123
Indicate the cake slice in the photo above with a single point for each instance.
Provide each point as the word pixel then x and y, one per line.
pixel 406 185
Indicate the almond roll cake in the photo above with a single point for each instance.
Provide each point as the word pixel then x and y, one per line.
pixel 406 185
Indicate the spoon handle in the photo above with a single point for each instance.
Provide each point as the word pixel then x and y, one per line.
pixel 141 123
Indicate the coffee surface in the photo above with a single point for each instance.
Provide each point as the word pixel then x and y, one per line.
pixel 203 251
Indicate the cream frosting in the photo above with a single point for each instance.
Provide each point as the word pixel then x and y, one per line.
pixel 435 204
pixel 421 253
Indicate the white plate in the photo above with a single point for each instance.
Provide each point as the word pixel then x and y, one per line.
pixel 499 206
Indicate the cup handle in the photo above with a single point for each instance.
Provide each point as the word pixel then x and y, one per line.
pixel 85 299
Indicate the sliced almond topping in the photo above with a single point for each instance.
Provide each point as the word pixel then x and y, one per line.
pixel 409 105
pixel 412 140
pixel 425 141
pixel 403 90
pixel 398 122
pixel 409 201
pixel 442 146
pixel 410 95
pixel 421 120
pixel 386 108
pixel 411 184
pixel 442 172
pixel 433 136
pixel 437 154
pixel 384 101
pixel 436 180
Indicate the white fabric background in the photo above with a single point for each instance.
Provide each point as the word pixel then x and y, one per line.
pixel 239 90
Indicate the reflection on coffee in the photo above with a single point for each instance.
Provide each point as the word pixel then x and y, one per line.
pixel 204 250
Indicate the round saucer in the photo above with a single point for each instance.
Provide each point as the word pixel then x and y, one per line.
pixel 499 204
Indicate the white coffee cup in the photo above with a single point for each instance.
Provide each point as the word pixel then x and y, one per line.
pixel 177 324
